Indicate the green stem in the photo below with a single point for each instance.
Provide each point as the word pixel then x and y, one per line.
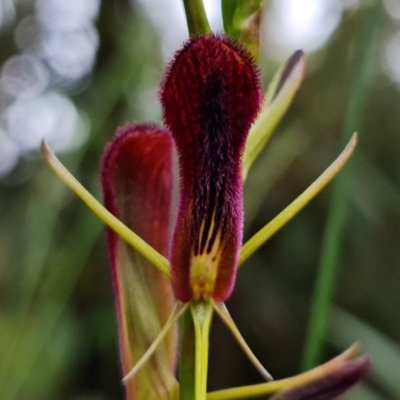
pixel 202 315
pixel 332 238
pixel 187 358
pixel 196 17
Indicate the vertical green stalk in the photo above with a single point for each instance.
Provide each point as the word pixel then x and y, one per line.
pixel 196 17
pixel 193 362
pixel 187 357
pixel 202 315
pixel 330 254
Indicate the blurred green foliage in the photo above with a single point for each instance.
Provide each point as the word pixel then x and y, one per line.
pixel 57 327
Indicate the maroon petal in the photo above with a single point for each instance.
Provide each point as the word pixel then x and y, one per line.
pixel 330 385
pixel 137 187
pixel 210 97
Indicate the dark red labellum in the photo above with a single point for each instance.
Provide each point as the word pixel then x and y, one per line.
pixel 210 98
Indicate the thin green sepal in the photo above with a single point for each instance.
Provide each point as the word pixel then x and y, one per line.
pixel 159 261
pixel 223 313
pixel 269 388
pixel 176 314
pixel 277 100
pixel 293 208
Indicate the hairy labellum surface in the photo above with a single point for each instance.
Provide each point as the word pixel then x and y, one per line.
pixel 210 97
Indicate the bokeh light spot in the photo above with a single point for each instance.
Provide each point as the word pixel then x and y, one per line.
pixel 67 15
pixel 305 24
pixel 393 8
pixel 22 76
pixel 8 154
pixel 7 12
pixel 51 116
pixel 392 59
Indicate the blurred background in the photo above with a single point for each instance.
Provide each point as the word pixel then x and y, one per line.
pixel 72 72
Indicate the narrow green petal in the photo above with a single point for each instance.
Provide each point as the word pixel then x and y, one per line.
pixel 223 312
pixel 330 385
pixel 202 316
pixel 269 388
pixel 160 262
pixel 277 100
pixel 176 314
pixel 293 208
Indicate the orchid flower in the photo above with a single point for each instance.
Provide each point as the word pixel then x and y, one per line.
pixel 218 121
